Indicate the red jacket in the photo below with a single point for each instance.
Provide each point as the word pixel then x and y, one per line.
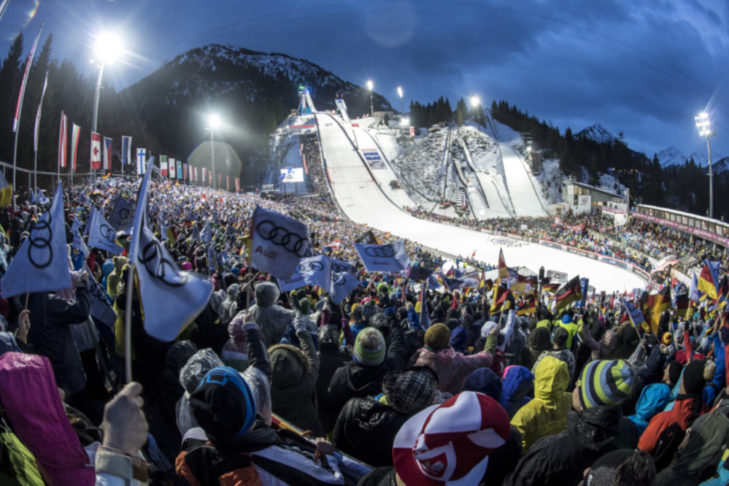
pixel 681 414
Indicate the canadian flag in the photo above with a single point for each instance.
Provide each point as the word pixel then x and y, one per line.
pixel 95 151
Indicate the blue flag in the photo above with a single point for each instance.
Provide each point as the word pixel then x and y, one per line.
pixel 41 262
pixel 78 241
pixel 634 313
pixel 122 214
pixel 102 235
pixel 206 233
pixel 584 282
pixel 390 257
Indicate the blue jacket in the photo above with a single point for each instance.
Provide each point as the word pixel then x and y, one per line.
pixel 518 383
pixel 652 400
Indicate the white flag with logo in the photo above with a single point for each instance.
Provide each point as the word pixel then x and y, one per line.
pixel 279 242
pixel 41 262
pixel 102 235
pixel 100 308
pixel 170 298
pixel 314 270
pixel 344 280
pixel 390 257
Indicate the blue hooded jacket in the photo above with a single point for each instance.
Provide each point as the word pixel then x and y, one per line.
pixel 652 400
pixel 518 383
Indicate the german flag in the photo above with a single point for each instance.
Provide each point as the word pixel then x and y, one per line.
pixel 709 279
pixel 503 269
pixel 681 303
pixel 568 293
pixel 500 295
pixel 529 307
pixel 655 305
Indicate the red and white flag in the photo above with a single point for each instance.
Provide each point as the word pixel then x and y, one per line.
pixel 75 133
pixel 237 184
pixel 107 153
pixel 163 165
pixel 227 182
pixel 63 141
pixel 172 168
pixel 95 151
pixel 203 175
pixel 24 82
pixel 38 115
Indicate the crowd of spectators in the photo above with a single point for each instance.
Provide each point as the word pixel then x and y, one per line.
pixel 392 386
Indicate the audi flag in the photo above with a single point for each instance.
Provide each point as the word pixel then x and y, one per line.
pixel 314 270
pixel 390 257
pixel 102 235
pixel 278 243
pixel 41 264
pixel 171 298
pixel 122 214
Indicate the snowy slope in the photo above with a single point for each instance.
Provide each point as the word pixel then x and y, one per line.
pixel 364 203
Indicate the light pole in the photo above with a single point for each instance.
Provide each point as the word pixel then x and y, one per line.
pixel 370 86
pixel 213 123
pixel 703 125
pixel 106 51
pixel 400 93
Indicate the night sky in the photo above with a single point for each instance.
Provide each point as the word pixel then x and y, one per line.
pixel 643 68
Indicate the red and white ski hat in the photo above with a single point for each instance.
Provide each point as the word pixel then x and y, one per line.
pixel 449 444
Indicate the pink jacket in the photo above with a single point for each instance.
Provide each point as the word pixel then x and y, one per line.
pixel 451 366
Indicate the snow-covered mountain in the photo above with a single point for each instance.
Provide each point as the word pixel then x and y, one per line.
pixel 671 156
pixel 597 133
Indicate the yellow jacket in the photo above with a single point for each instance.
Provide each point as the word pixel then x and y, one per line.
pixel 546 413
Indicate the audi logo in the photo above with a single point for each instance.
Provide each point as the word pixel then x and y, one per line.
pixel 291 242
pixel 342 267
pixel 311 267
pixel 159 267
pixel 380 251
pixel 40 251
pixel 107 232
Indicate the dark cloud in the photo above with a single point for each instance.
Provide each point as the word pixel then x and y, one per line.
pixel 644 68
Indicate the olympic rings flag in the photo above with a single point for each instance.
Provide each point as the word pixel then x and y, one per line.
pixel 170 298
pixel 102 235
pixel 383 258
pixel 279 242
pixel 41 263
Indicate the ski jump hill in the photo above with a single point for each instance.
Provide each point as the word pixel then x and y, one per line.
pixel 359 176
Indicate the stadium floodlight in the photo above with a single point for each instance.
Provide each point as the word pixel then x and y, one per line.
pixel 108 48
pixel 703 125
pixel 214 122
pixel 475 101
pixel 400 93
pixel 371 86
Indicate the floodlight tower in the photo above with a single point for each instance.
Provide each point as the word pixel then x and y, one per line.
pixel 703 125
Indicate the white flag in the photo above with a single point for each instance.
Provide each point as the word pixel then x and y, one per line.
pixel 170 298
pixel 141 160
pixel 279 242
pixel 102 235
pixel 314 270
pixel 390 257
pixel 41 262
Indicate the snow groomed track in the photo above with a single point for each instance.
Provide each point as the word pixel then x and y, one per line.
pixel 364 202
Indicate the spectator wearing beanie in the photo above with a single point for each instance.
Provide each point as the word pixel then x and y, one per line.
pixel 546 413
pixel 242 449
pixel 293 383
pixel 366 427
pixel 559 341
pixel 687 407
pixel 451 366
pixel 372 358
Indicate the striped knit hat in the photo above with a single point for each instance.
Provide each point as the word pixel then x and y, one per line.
pixel 605 382
pixel 369 347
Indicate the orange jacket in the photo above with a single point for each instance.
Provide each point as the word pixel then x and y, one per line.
pixel 681 414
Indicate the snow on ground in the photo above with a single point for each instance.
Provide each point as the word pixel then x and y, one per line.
pixel 550 178
pixel 363 202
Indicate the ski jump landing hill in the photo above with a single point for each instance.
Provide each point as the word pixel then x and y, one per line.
pixel 365 198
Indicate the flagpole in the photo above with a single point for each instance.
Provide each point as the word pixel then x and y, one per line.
pixel 128 325
pixel 19 107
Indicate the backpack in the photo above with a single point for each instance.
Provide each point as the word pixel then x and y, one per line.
pixel 204 464
pixel 667 445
